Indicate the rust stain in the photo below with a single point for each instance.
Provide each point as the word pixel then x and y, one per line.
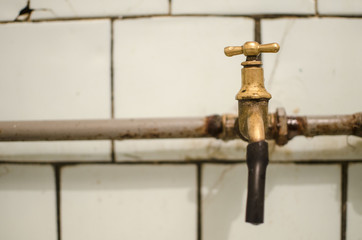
pixel 296 126
pixel 213 125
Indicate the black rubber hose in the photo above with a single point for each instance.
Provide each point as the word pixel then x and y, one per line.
pixel 257 160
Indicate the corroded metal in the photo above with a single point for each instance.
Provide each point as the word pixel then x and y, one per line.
pixel 116 129
pixel 280 127
pixel 283 128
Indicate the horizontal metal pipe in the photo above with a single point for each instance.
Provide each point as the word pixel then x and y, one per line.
pixel 116 129
pixel 281 128
pixel 311 126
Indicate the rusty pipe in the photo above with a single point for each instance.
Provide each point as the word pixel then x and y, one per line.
pixel 279 127
pixel 117 129
pixel 283 128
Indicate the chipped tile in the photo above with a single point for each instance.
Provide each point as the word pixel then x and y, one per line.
pixel 55 70
pixel 243 7
pixel 354 202
pixel 10 9
pixel 115 202
pixel 27 202
pixel 301 202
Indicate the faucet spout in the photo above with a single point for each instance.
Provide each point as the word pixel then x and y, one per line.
pixel 257 161
pixel 256 157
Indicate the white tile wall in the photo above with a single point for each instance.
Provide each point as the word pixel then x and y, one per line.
pixel 96 8
pixel 354 202
pixel 176 67
pixel 302 202
pixel 57 70
pixel 27 202
pixel 340 7
pixel 180 149
pixel 9 9
pixel 313 74
pixel 243 7
pixel 129 202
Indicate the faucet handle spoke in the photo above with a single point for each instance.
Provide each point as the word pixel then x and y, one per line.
pixel 251 49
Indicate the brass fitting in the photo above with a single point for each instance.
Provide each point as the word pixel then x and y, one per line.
pixel 253 98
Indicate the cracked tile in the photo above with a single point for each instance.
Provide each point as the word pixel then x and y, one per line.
pixel 98 8
pixel 10 9
pixel 310 78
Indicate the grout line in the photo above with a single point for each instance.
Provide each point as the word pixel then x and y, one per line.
pixel 170 7
pixel 262 16
pixel 257 30
pixel 316 8
pixel 344 186
pixel 257 34
pixel 113 158
pixel 57 171
pixel 112 68
pixel 199 201
pixel 178 162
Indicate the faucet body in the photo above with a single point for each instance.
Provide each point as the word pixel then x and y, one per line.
pixel 253 123
pixel 253 102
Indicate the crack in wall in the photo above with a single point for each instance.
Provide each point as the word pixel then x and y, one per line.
pixel 277 57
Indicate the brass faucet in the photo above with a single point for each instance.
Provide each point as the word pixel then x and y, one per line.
pixel 253 101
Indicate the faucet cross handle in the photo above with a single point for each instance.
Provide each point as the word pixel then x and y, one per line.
pixel 251 49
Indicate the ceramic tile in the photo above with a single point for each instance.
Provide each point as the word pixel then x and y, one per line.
pixel 243 7
pixel 84 8
pixel 302 202
pixel 340 7
pixel 176 67
pixel 9 9
pixel 307 78
pixel 55 70
pixel 27 193
pixel 129 202
pixel 354 202
pixel 179 149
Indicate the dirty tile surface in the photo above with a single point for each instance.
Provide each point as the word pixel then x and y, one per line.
pixel 340 7
pixel 180 149
pixel 243 7
pixel 354 202
pixel 53 71
pixel 27 202
pixel 180 71
pixel 97 8
pixel 129 202
pixel 307 78
pixel 302 202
